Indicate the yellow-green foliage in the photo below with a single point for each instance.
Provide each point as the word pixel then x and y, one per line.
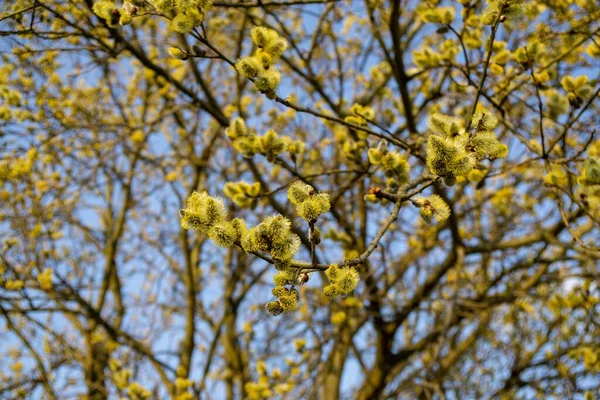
pixel 188 13
pixel 122 378
pixel 556 176
pixel 207 215
pixel 242 193
pixel 270 46
pixel 267 386
pixel 452 152
pixel 18 166
pixel 248 143
pixel 591 172
pixel 343 280
pixel 338 317
pixel 137 391
pixel 309 205
pixel 432 207
pixel 91 169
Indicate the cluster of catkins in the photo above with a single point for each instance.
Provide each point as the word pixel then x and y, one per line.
pixel 287 300
pixel 343 280
pixel 248 143
pixel 309 205
pixel 208 215
pixel 260 65
pixel 452 151
pixel 113 15
pixel 361 115
pixel 188 13
pixel 273 236
pixel 242 193
pixel 500 10
pixel 432 207
pixel 436 15
pixel 589 190
pixel 577 88
pixel 397 169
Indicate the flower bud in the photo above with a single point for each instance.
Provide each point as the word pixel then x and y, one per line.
pixel 177 53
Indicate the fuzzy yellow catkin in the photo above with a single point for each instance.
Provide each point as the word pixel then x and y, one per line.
pixel 249 67
pixel 259 66
pixel 274 308
pixel 289 302
pixel 208 215
pixel 331 291
pixel 342 280
pixel 279 291
pixel 223 235
pixel 453 152
pixel 309 205
pixel 432 207
pixel 298 192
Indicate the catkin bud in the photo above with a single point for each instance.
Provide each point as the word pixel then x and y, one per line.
pixel 177 53
pixel 129 8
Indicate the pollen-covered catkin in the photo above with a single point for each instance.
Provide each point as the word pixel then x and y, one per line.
pixel 432 207
pixel 309 205
pixel 343 280
pixel 453 152
pixel 259 67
